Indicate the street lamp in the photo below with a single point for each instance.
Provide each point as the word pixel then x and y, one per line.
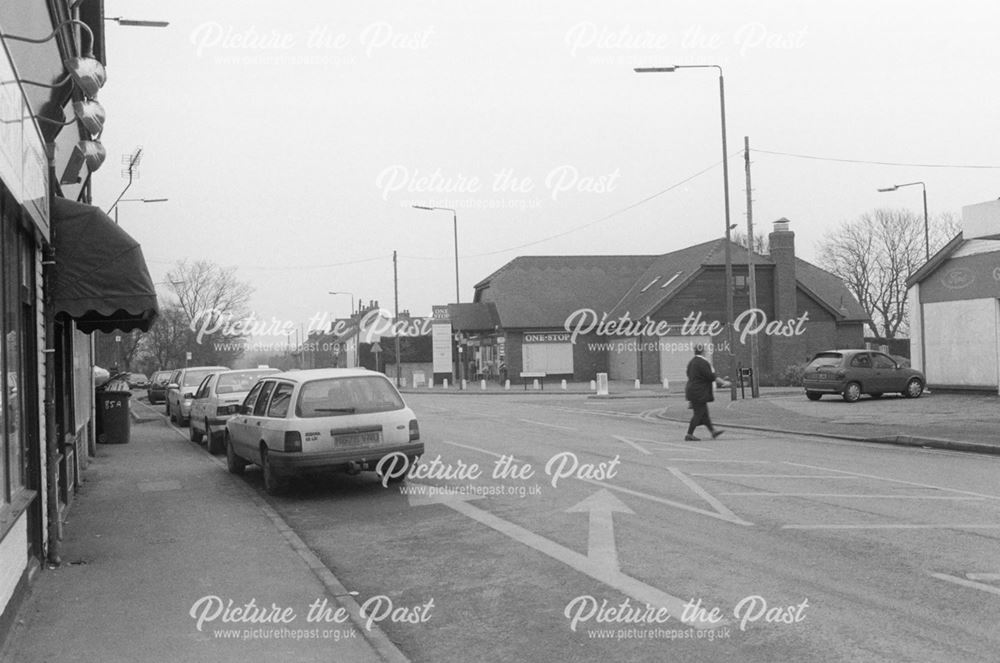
pixel 454 218
pixel 135 23
pixel 729 227
pixel 343 292
pixel 137 200
pixel 458 296
pixel 927 235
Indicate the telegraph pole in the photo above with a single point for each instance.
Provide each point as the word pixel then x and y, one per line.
pixel 395 290
pixel 751 277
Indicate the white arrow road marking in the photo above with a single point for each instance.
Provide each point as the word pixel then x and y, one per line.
pixel 719 507
pixel 632 444
pixel 967 583
pixel 542 423
pixel 601 541
pixel 581 563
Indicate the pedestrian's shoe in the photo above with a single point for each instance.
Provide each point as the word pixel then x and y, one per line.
pixel 691 438
pixel 717 433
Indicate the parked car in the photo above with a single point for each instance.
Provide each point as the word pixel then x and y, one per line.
pixel 852 373
pixel 157 390
pixel 322 420
pixel 219 397
pixel 180 391
pixel 138 381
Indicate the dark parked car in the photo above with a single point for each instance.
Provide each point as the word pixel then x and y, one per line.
pixel 157 390
pixel 138 381
pixel 851 373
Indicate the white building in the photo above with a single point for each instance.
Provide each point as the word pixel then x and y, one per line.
pixel 955 306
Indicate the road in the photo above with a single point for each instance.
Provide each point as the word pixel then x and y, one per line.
pixel 557 528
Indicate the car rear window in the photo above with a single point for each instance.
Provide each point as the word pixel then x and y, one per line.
pixel 230 383
pixel 194 378
pixel 825 359
pixel 350 395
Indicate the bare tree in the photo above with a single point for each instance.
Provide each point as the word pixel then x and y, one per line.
pixel 874 255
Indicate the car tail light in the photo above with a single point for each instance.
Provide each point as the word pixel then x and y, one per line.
pixel 225 410
pixel 293 441
pixel 414 430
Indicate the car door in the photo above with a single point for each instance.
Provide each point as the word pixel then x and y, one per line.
pixel 171 397
pixel 886 376
pixel 255 420
pixel 201 402
pixel 860 370
pixel 237 425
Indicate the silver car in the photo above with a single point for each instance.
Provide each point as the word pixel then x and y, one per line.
pixel 217 399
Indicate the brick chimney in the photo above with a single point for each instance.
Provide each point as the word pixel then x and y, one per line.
pixel 782 242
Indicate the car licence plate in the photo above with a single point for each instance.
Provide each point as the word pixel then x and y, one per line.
pixel 349 440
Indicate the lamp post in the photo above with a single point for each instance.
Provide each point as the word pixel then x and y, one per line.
pixel 927 234
pixel 344 292
pixel 458 296
pixel 729 227
pixel 137 200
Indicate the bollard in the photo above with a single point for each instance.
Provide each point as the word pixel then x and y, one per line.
pixel 666 384
pixel 602 384
pixel 534 384
pixel 506 385
pixel 465 384
pixel 482 385
pixel 563 385
pixel 593 386
pixel 637 384
pixel 430 383
pixel 444 383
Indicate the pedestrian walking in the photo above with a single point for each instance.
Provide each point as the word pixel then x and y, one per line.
pixel 700 379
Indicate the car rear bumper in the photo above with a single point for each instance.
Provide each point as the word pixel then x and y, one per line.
pixel 293 462
pixel 824 386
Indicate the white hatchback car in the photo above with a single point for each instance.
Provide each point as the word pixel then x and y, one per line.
pixel 219 397
pixel 321 420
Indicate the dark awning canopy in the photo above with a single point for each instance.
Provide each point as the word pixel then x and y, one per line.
pixel 100 277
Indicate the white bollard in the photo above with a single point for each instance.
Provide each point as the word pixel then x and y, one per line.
pixel 430 383
pixel 637 384
pixel 482 385
pixel 593 385
pixel 506 385
pixel 666 384
pixel 444 383
pixel 465 384
pixel 563 385
pixel 534 384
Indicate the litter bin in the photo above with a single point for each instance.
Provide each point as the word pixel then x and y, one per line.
pixel 114 426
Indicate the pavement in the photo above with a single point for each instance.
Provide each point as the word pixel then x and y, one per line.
pixel 159 534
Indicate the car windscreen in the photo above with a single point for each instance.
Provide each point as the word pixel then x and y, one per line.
pixel 230 383
pixel 194 378
pixel 348 395
pixel 825 359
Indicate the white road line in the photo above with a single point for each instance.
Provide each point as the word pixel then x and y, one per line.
pixel 702 493
pixel 632 444
pixel 900 481
pixel 484 451
pixel 542 423
pixel 893 497
pixel 581 563
pixel 897 526
pixel 983 576
pixel 967 583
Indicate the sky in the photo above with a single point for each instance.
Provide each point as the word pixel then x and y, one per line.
pixel 292 139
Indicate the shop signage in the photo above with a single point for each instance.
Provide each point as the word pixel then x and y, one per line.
pixel 547 337
pixel 23 164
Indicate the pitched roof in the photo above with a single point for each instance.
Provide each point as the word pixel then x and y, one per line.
pixel 542 291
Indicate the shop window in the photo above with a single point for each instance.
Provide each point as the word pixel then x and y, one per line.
pixel 12 362
pixel 552 358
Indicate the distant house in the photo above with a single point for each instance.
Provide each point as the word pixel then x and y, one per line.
pixel 955 306
pixel 639 316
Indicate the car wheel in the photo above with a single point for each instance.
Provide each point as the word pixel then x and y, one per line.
pixel 914 388
pixel 194 435
pixel 814 395
pixel 273 484
pixel 234 463
pixel 213 441
pixel 876 395
pixel 852 392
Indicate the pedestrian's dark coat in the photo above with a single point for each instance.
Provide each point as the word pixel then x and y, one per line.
pixel 700 379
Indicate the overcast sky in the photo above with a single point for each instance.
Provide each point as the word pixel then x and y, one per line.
pixel 292 138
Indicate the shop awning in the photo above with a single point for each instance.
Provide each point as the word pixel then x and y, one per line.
pixel 100 277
